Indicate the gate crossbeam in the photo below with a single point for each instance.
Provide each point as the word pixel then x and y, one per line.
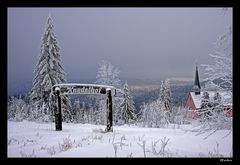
pixel 74 88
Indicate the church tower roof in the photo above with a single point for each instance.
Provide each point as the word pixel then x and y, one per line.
pixel 197 86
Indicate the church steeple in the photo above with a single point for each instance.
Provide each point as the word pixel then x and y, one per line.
pixel 197 87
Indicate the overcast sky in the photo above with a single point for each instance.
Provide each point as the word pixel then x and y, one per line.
pixel 142 42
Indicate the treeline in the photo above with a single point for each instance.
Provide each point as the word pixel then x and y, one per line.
pixel 149 93
pixel 157 110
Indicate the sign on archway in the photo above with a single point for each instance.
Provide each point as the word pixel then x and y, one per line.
pixel 66 89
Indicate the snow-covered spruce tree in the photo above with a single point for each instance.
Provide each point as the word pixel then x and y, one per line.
pixel 159 112
pixel 48 72
pixel 107 74
pixel 206 107
pixel 217 103
pixel 127 106
pixel 162 115
pixel 165 99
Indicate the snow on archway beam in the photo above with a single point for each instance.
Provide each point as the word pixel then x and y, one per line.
pixel 74 88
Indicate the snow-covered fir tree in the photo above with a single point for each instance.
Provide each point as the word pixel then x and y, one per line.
pixel 165 98
pixel 127 106
pixel 107 74
pixel 217 103
pixel 206 107
pixel 48 72
pixel 159 112
pixel 168 96
pixel 205 101
pixel 153 115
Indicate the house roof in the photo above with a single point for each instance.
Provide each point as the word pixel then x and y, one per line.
pixel 226 98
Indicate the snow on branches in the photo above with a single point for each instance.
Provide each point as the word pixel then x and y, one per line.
pixel 127 106
pixel 159 112
pixel 48 72
pixel 220 73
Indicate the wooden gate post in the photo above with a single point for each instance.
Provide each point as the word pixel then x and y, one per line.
pixel 58 115
pixel 109 111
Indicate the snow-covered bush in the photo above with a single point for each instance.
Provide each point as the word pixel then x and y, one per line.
pixel 181 115
pixel 66 145
pixel 162 151
pixel 51 150
pixel 158 113
pixel 18 109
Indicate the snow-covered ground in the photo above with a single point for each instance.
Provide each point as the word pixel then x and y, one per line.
pixel 31 139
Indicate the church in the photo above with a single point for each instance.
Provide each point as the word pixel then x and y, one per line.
pixel 194 99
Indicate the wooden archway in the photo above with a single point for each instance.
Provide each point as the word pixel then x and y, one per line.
pixel 73 88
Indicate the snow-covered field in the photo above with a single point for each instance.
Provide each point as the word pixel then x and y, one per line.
pixel 31 139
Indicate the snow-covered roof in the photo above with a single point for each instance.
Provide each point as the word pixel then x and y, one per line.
pixel 226 98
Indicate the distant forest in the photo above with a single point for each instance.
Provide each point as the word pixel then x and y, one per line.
pixel 148 94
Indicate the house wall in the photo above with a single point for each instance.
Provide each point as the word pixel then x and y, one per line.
pixel 189 104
